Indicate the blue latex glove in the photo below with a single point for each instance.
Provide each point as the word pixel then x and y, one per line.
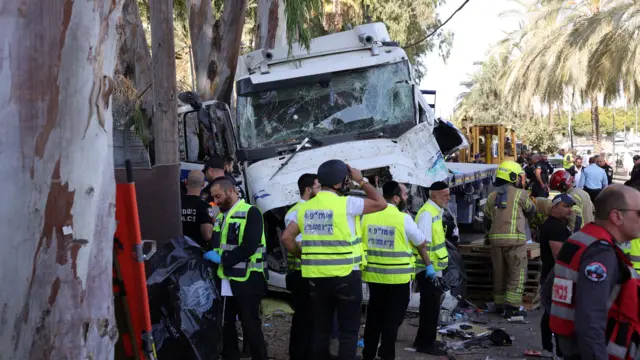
pixel 431 272
pixel 213 256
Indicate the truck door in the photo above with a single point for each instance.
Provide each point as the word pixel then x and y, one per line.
pixel 449 138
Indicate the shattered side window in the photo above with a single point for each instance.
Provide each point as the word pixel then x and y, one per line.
pixel 353 101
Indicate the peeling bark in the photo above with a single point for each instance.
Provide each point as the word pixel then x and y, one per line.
pixel 134 57
pixel 216 46
pixel 271 22
pixel 56 146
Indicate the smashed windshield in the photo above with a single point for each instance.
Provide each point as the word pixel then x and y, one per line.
pixel 352 101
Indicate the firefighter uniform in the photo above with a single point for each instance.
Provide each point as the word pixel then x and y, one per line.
pixel 429 220
pixel 506 212
pixel 245 273
pixel 389 270
pixel 562 181
pixel 301 326
pixel 596 291
pixel 330 258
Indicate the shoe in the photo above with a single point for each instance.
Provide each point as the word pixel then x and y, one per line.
pixel 433 350
pixel 546 354
pixel 512 311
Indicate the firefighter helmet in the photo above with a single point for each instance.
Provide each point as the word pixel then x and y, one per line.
pixel 560 180
pixel 509 171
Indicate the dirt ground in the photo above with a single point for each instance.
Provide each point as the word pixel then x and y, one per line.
pixel 525 336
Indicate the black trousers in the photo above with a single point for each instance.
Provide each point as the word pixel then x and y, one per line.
pixel 547 335
pixel 344 296
pixel 593 193
pixel 247 308
pixel 385 313
pixel 539 191
pixel 430 296
pixel 300 337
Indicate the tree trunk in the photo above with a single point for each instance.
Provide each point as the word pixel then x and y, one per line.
pixel 57 215
pixel 134 57
pixel 216 46
pixel 271 20
pixel 550 115
pixel 595 123
pixel 165 128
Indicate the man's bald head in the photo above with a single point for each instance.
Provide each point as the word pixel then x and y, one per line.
pixel 617 208
pixel 195 179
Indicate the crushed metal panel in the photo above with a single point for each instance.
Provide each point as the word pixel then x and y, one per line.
pixel 413 158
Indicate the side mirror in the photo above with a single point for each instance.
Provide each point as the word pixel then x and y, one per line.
pixel 190 98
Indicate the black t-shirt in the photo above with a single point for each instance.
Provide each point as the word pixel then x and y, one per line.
pixel 195 212
pixel 609 170
pixel 553 229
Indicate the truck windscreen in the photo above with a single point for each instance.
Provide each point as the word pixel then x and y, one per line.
pixel 352 101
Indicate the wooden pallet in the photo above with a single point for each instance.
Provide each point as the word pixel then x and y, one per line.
pixel 477 260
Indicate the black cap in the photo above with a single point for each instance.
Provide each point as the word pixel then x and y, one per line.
pixel 213 163
pixel 438 185
pixel 636 157
pixel 332 172
pixel 390 188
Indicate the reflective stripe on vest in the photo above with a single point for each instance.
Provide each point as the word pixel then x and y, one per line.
pixel 293 263
pixel 236 219
pixel 389 258
pixel 329 249
pixel 623 330
pixel 438 254
pixel 634 253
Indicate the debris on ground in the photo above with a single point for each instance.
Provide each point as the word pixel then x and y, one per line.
pixel 271 306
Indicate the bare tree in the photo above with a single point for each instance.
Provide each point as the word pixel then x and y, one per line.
pixel 216 46
pixel 57 214
pixel 271 24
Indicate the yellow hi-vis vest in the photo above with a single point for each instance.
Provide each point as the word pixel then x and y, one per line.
pixel 438 254
pixel 567 161
pixel 389 256
pixel 231 236
pixel 293 263
pixel 634 253
pixel 329 249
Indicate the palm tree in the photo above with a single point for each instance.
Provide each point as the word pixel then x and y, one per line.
pixel 567 46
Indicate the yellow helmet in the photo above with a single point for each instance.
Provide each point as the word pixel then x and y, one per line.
pixel 509 171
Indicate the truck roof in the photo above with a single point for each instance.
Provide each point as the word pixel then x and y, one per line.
pixel 363 46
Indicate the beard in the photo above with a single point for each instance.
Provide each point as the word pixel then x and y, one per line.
pixel 402 205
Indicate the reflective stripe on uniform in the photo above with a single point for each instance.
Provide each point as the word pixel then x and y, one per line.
pixel 396 271
pixel 330 262
pixel 327 243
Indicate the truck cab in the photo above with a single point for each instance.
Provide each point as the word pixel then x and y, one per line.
pixel 350 96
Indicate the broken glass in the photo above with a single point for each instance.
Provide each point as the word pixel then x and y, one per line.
pixel 353 101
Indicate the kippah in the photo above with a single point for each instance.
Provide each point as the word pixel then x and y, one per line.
pixel 389 188
pixel 439 185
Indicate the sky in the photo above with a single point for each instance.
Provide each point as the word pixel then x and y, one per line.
pixel 476 28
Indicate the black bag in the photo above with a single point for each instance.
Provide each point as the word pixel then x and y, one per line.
pixel 454 276
pixel 185 304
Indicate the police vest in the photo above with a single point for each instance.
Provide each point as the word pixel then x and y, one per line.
pixel 231 232
pixel 623 326
pixel 329 249
pixel 634 253
pixel 567 163
pixel 389 257
pixel 293 263
pixel 438 254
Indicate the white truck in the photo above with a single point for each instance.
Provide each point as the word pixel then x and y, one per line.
pixel 351 96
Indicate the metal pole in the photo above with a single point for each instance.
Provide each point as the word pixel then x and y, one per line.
pixel 636 132
pixel 193 70
pixel 569 121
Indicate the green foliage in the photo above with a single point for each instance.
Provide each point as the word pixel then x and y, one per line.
pixel 581 122
pixel 299 14
pixel 483 101
pixel 539 137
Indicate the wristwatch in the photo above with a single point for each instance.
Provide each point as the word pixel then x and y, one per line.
pixel 362 182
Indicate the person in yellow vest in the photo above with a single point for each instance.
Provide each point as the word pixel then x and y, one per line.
pixel 300 336
pixel 632 248
pixel 388 236
pixel 506 212
pixel 331 255
pixel 239 230
pixel 429 220
pixel 567 159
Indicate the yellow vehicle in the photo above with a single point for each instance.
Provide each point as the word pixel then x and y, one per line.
pixel 489 144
